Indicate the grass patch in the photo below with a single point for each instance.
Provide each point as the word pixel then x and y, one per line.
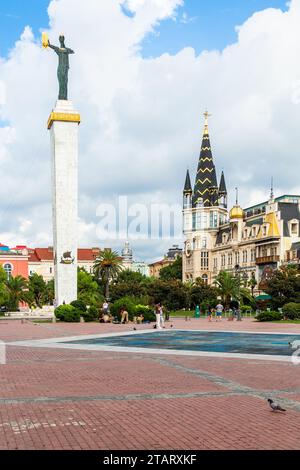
pixel 183 313
pixel 297 322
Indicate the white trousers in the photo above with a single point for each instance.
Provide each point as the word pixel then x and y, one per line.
pixel 158 321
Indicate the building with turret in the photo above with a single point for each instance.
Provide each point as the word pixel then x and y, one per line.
pixel 250 242
pixel 128 263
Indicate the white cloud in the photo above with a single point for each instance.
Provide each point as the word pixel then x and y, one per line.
pixel 142 118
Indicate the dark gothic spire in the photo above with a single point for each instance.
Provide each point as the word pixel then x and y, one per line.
pixel 222 187
pixel 188 185
pixel 206 187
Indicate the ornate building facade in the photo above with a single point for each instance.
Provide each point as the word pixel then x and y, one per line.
pixel 250 242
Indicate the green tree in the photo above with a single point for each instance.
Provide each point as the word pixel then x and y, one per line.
pixel 252 283
pixel 129 276
pixel 129 283
pixel 17 288
pixel 37 290
pixel 173 271
pixel 3 290
pixel 203 295
pixel 172 294
pixel 228 287
pixel 88 290
pixel 50 292
pixel 284 286
pixel 107 267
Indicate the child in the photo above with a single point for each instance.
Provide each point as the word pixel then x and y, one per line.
pixel 209 314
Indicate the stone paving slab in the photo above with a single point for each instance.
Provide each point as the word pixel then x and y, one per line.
pixel 73 399
pixel 198 423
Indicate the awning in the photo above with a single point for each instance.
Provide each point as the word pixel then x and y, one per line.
pixel 263 297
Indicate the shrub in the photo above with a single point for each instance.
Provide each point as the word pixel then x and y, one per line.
pixel 291 311
pixel 91 314
pixel 147 312
pixel 269 316
pixel 246 308
pixel 125 302
pixel 67 313
pixel 79 305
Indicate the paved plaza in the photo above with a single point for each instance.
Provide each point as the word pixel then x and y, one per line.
pixel 74 399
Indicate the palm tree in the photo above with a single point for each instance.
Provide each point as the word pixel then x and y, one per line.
pixel 17 288
pixel 228 287
pixel 107 266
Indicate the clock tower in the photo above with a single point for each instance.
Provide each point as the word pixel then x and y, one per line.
pixel 204 211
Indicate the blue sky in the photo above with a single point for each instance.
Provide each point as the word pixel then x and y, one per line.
pixel 201 24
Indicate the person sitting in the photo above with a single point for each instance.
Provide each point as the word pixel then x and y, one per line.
pixel 140 318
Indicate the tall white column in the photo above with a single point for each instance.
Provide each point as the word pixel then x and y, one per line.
pixel 63 124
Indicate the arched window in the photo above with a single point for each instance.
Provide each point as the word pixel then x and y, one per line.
pixel 8 269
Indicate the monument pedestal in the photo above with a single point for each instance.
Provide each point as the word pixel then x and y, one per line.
pixel 63 124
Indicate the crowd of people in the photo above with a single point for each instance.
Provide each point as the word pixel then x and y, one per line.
pixel 233 312
pixel 213 314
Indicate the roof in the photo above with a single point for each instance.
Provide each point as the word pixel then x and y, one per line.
pixel 295 246
pixel 220 234
pixel 162 262
pixel 188 185
pixel 206 186
pixel 288 212
pixel 222 187
pixel 46 254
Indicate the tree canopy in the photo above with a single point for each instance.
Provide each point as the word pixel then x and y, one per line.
pixel 173 271
pixel 284 286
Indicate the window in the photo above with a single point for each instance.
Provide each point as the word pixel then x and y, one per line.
pixel 205 278
pixel 8 269
pixel 294 228
pixel 204 259
pixel 224 238
pixel 245 256
pixel 50 270
pixel 253 255
pixel 204 242
pixel 245 233
pixel 230 259
pixel 214 219
pixel 264 231
pixel 223 260
pixel 253 233
pixel 264 252
pixel 237 258
pixel 215 263
pixel 194 221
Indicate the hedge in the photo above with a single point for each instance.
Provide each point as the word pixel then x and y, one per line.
pixel 67 313
pixel 269 316
pixel 291 311
pixel 124 302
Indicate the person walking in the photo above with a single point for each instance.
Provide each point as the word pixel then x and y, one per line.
pixel 219 311
pixel 162 320
pixel 157 314
pixel 209 313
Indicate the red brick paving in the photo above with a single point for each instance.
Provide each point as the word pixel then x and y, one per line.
pixel 107 400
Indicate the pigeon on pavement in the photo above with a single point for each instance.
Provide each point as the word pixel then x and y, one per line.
pixel 275 406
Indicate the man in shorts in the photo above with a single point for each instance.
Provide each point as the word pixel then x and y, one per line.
pixel 219 311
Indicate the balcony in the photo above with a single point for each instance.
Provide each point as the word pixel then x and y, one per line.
pixel 268 259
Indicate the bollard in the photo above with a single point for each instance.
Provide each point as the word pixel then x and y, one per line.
pixel 54 319
pixel 81 320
